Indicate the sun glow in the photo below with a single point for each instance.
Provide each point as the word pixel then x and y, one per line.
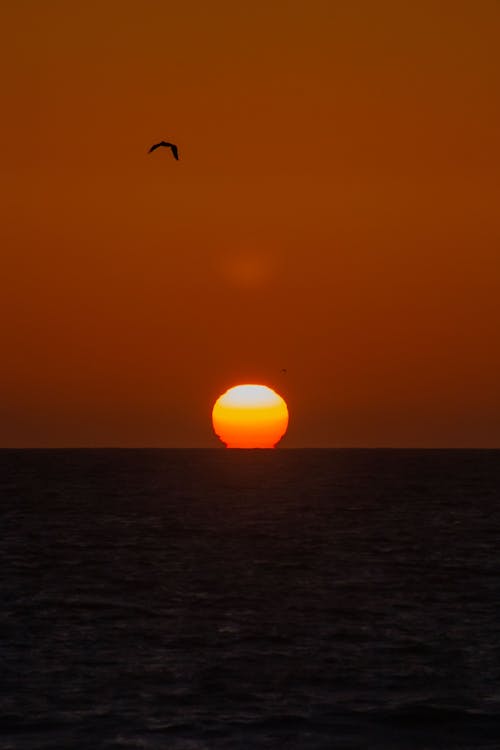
pixel 250 416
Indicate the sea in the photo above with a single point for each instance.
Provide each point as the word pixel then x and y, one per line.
pixel 250 599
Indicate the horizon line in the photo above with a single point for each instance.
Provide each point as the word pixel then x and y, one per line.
pixel 223 448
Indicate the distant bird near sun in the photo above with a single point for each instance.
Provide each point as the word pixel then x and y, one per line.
pixel 250 416
pixel 165 144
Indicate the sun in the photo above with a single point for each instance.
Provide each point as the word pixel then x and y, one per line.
pixel 250 416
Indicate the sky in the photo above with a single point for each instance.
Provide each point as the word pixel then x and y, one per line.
pixel 334 213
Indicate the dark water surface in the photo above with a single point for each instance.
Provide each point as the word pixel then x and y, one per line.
pixel 219 599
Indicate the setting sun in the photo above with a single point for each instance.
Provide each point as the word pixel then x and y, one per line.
pixel 250 416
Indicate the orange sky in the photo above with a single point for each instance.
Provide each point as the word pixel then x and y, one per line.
pixel 334 213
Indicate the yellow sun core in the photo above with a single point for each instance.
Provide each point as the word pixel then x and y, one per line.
pixel 250 416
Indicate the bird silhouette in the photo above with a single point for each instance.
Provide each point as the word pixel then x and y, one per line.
pixel 171 146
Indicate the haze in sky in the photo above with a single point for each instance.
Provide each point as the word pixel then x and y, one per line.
pixel 334 213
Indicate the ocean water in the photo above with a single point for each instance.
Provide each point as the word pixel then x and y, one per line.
pixel 206 600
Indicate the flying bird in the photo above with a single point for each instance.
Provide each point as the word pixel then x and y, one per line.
pixel 171 146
